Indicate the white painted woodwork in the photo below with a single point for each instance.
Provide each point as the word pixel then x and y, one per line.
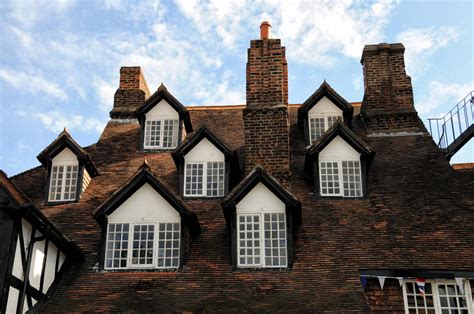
pixel 26 227
pixel 37 259
pixel 339 149
pixel 162 110
pixel 325 107
pixel 86 179
pixel 12 302
pixel 144 205
pixel 49 271
pixel 259 199
pixel 204 151
pixel 66 156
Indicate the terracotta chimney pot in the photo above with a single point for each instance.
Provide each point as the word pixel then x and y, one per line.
pixel 265 28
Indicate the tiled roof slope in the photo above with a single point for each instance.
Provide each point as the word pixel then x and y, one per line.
pixel 418 215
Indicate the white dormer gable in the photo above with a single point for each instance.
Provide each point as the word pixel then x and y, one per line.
pixel 338 148
pixel 204 151
pixel 260 199
pixel 145 204
pixel 325 107
pixel 162 110
pixel 65 156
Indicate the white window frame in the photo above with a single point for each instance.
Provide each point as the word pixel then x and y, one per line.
pixel 436 297
pixel 262 256
pixel 326 123
pixel 175 140
pixel 156 239
pixel 204 178
pixel 339 162
pixel 63 164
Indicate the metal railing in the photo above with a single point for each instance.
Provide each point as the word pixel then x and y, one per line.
pixel 447 129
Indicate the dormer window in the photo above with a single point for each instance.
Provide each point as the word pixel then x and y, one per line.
pixel 147 226
pixel 64 173
pixel 339 162
pixel 164 121
pixel 261 215
pixel 205 164
pixel 70 169
pixel 320 111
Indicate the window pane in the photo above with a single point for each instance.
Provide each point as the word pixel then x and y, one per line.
pixel 116 246
pixel 351 177
pixel 142 249
pixel 63 184
pixel 168 245
pixel 275 239
pixel 316 128
pixel 332 120
pixel 249 240
pixel 416 303
pixel 152 134
pixel 193 184
pixel 215 178
pixel 451 299
pixel 329 176
pixel 170 133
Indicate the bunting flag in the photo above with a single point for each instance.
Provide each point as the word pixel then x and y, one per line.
pixel 363 281
pixel 400 281
pixel 420 284
pixel 460 283
pixel 381 281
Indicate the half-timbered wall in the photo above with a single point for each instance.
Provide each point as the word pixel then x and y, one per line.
pixel 42 264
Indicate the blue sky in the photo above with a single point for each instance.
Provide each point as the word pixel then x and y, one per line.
pixel 60 60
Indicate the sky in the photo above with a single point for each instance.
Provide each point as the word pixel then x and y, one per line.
pixel 60 59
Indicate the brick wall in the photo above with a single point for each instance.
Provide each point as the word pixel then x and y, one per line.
pixel 132 93
pixel 388 95
pixel 266 115
pixel 390 299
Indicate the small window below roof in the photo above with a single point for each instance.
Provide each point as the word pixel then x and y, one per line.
pixel 341 178
pixel 162 133
pixel 319 124
pixel 63 177
pixel 204 179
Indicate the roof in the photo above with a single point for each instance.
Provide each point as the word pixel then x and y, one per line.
pixel 65 140
pixel 160 94
pixel 325 90
pixel 417 215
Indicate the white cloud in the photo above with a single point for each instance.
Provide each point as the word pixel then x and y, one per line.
pixel 33 83
pixel 27 13
pixel 318 31
pixel 421 43
pixel 105 92
pixel 443 96
pixel 55 121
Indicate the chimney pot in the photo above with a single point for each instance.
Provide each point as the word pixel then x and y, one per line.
pixel 265 29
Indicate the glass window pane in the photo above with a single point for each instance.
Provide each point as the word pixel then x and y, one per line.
pixel 116 246
pixel 168 245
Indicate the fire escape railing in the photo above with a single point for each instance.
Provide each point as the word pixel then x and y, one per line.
pixel 448 129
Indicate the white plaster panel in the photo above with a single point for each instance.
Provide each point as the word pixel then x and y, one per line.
pixel 26 227
pixel 162 110
pixel 260 199
pixel 144 205
pixel 86 179
pixel 204 151
pixel 17 270
pixel 339 149
pixel 37 260
pixel 12 302
pixel 62 258
pixel 65 156
pixel 49 271
pixel 325 107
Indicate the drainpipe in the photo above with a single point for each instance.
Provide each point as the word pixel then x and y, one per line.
pixel 26 275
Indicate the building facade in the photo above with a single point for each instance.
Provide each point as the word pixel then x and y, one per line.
pixel 323 206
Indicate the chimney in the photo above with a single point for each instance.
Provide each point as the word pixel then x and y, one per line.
pixel 388 105
pixel 131 94
pixel 266 114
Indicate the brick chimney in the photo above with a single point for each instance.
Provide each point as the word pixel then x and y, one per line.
pixel 131 94
pixel 388 95
pixel 266 115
